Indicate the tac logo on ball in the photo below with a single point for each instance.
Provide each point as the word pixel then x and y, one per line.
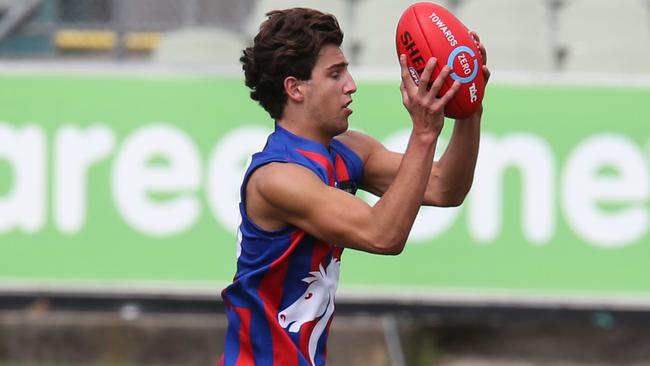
pixel 466 58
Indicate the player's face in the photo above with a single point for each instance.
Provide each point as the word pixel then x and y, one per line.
pixel 329 91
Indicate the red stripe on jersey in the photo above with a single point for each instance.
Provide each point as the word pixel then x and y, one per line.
pixel 323 161
pixel 305 333
pixel 270 291
pixel 245 357
pixel 341 170
pixel 320 253
pixel 327 330
pixel 337 252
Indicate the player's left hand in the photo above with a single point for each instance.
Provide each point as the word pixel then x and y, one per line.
pixel 481 49
pixel 484 69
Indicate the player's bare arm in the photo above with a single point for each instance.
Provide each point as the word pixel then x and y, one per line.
pixel 451 177
pixel 280 194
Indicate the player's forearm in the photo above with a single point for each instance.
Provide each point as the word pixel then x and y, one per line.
pixel 395 212
pixel 453 175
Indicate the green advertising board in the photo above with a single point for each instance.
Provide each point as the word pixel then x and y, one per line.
pixel 134 180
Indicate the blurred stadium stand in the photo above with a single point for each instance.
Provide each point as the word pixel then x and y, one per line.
pixel 25 29
pixel 373 32
pixel 521 35
pixel 601 35
pixel 523 42
pixel 109 29
pixel 343 9
pixel 199 45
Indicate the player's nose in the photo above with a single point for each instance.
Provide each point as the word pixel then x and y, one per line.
pixel 350 86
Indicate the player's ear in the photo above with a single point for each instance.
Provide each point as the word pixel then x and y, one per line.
pixel 294 88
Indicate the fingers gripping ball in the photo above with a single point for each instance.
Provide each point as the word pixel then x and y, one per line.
pixel 428 30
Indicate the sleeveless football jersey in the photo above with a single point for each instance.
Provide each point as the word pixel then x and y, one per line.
pixel 281 302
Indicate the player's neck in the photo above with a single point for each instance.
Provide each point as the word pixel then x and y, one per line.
pixel 303 129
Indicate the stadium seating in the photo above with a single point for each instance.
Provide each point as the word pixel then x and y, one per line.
pixel 200 46
pixel 153 14
pixel 13 13
pixel 85 40
pixel 141 41
pixel 605 36
pixel 374 32
pixel 517 33
pixel 520 35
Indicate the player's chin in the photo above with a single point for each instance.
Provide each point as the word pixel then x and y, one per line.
pixel 341 126
pixel 347 112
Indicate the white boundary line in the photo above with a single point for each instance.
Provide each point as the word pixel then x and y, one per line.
pixel 140 69
pixel 110 69
pixel 500 298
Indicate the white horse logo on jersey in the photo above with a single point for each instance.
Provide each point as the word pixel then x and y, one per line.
pixel 317 301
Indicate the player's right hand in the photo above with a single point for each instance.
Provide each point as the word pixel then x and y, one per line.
pixel 426 109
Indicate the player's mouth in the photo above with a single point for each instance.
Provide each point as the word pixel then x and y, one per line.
pixel 346 107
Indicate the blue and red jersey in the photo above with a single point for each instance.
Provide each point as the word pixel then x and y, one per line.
pixel 281 302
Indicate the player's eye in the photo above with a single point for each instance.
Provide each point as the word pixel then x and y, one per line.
pixel 308 296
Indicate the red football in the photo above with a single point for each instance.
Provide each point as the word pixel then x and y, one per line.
pixel 428 30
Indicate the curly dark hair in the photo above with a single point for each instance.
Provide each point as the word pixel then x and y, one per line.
pixel 287 44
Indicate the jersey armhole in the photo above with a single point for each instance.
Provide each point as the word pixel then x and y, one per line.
pixel 242 205
pixel 245 219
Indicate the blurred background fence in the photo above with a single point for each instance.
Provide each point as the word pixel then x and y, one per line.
pixel 528 35
pixel 118 29
pixel 544 264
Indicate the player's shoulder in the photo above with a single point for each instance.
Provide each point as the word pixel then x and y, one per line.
pixel 279 172
pixel 361 143
pixel 283 179
pixel 355 137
